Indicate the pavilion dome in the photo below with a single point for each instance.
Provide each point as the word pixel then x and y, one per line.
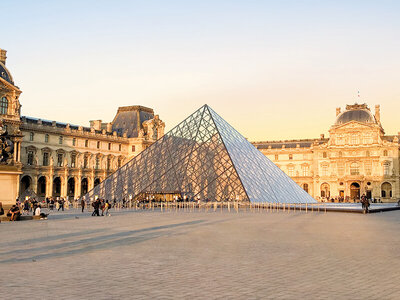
pixel 359 113
pixel 5 74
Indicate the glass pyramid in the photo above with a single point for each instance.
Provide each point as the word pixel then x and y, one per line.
pixel 203 157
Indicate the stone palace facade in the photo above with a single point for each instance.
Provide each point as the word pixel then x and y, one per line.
pixel 65 160
pixel 357 158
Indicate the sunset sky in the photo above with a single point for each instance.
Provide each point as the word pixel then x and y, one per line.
pixel 273 69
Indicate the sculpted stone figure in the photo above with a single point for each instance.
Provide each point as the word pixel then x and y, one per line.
pixel 6 146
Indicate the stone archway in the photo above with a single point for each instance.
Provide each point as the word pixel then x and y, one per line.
pixel 355 190
pixel 84 186
pixel 57 187
pixel 325 190
pixel 97 181
pixel 26 183
pixel 41 186
pixel 71 187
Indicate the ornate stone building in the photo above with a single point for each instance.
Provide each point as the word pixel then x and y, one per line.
pixel 59 159
pixel 357 158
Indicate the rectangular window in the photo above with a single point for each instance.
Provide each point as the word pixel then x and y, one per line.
pixel 60 140
pixel 98 145
pixel 74 142
pixel 73 160
pixel 31 135
pixel 324 170
pixel 354 139
pixel 133 148
pixel 97 162
pixel 340 169
pixel 86 143
pixel 45 159
pixel 85 162
pixel 368 168
pixel 46 138
pixel 108 163
pixel 120 147
pixel 119 163
pixel 386 169
pixel 305 170
pixel 276 157
pixel 109 146
pixel 291 171
pixel 59 160
pixel 290 156
pixel 30 158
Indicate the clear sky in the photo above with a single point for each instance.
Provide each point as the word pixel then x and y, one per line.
pixel 273 69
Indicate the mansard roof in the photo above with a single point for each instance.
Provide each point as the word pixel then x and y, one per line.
pixel 129 119
pixel 37 121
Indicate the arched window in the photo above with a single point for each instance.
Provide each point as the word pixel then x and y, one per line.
pixel 3 106
pixel 354 169
pixel 386 190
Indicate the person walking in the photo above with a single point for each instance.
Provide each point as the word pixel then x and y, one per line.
pixel 83 204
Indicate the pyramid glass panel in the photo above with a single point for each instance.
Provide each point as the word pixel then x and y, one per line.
pixel 202 158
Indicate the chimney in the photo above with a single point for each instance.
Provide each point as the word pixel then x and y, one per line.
pixel 337 111
pixel 378 113
pixel 95 124
pixel 3 56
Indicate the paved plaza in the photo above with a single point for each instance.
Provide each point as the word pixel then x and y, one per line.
pixel 209 255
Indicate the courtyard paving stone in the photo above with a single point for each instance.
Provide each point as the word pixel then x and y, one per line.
pixel 215 255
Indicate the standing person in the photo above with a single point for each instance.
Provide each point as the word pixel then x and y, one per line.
pixel 83 204
pixel 365 203
pixel 1 210
pixel 96 206
pixel 107 206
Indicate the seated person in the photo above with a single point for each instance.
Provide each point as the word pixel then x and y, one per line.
pixel 14 213
pixel 39 213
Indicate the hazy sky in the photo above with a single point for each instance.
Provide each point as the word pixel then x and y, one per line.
pixel 273 69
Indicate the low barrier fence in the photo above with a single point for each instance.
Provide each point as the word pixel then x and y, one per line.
pixel 222 206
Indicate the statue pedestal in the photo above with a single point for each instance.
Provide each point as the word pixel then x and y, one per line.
pixel 9 184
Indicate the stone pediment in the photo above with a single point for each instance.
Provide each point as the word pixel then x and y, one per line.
pixel 354 125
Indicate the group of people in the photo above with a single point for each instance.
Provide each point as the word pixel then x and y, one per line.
pixel 14 212
pixel 100 204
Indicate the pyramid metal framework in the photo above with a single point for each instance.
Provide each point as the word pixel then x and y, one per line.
pixel 202 157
